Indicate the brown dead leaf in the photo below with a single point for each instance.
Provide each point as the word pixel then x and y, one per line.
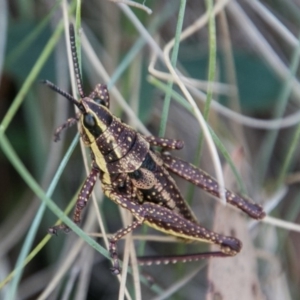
pixel 233 277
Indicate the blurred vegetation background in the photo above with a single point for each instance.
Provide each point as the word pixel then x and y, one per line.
pixel 245 58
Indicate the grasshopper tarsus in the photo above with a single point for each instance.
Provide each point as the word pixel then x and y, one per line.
pixel 115 269
pixel 52 230
pixel 55 229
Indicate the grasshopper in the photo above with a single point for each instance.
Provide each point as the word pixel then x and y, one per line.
pixel 136 177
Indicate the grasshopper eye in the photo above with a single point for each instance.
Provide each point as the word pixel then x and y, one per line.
pixel 90 123
pixel 100 101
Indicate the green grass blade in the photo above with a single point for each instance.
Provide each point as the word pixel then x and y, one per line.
pixel 174 56
pixel 36 222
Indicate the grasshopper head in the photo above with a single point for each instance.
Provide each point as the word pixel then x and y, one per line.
pixel 94 119
pixel 95 116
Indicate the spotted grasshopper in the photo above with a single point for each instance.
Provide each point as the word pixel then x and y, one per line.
pixel 136 177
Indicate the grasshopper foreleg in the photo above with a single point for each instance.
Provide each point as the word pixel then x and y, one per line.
pixel 82 200
pixel 136 209
pixel 70 122
pixel 115 269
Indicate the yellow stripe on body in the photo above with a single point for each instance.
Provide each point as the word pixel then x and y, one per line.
pixel 188 237
pixel 100 160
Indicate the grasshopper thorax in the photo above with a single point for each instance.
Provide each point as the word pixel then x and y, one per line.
pixel 116 147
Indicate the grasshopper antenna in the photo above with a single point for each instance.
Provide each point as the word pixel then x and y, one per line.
pixel 66 95
pixel 75 61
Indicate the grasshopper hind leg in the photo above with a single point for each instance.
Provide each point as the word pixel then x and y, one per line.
pixel 203 180
pixel 165 143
